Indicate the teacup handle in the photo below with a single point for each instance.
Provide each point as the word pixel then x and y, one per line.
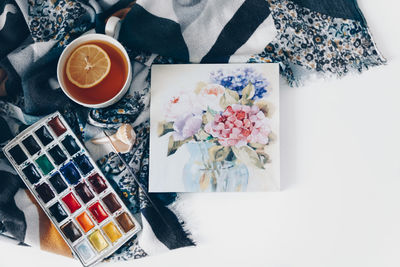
pixel 113 26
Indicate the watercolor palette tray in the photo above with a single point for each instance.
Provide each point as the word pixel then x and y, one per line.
pixel 71 189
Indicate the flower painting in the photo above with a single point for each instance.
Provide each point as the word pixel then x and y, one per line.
pixel 214 128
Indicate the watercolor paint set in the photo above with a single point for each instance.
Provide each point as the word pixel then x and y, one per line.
pixel 71 189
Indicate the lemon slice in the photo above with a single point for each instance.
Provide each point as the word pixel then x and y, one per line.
pixel 88 65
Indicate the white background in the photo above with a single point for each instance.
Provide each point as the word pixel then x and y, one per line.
pixel 340 174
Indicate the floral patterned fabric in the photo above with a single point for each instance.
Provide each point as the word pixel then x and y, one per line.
pixel 317 42
pixel 56 20
pixel 125 111
pixel 118 174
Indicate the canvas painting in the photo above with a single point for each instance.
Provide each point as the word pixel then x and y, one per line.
pixel 214 128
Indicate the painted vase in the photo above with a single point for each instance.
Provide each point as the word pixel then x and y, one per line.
pixel 200 174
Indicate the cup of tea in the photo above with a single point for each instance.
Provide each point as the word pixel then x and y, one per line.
pixel 94 70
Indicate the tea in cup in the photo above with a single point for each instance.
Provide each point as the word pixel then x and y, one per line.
pixel 94 70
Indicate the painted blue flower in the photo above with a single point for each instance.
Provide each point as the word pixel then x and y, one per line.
pixel 238 79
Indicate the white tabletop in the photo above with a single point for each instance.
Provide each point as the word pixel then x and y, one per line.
pixel 340 174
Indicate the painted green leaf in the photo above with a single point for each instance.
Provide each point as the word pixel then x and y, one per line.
pixel 248 156
pixel 211 111
pixel 202 135
pixel 199 86
pixel 204 181
pixel 248 92
pixel 230 97
pixel 173 145
pixel 218 153
pixel 165 127
pixel 247 102
pixel 264 157
pixel 208 116
pixel 263 106
pixel 257 145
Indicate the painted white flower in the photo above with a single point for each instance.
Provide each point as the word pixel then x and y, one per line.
pixel 209 96
pixel 180 105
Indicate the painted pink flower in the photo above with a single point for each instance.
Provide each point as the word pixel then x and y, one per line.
pixel 239 125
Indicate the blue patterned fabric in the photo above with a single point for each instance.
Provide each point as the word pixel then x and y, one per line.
pixel 317 42
pixel 57 20
pixel 53 24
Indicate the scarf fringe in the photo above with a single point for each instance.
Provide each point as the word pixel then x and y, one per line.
pixel 354 68
pixel 177 207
